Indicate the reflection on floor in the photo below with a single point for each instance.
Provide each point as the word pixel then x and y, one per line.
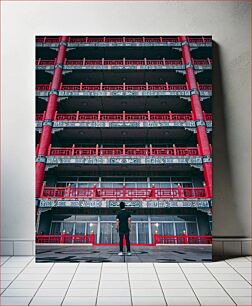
pixel 165 254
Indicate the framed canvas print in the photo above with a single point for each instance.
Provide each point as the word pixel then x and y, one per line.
pixel 123 148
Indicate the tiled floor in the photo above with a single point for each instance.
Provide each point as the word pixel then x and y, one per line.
pixel 96 254
pixel 24 282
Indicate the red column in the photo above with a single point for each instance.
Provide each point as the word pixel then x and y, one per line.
pixel 46 134
pixel 197 113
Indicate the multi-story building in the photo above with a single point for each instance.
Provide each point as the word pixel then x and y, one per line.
pixel 123 118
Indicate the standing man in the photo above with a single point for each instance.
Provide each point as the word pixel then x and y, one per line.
pixel 123 225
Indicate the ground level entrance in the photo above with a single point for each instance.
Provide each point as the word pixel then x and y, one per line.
pixel 145 223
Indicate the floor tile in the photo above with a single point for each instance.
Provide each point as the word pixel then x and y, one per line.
pixel 234 284
pixel 220 300
pixel 40 265
pixel 178 292
pixel 142 300
pixel 58 277
pixel 141 271
pixel 114 292
pixel 204 284
pixel 82 292
pixel 195 270
pixel 104 300
pixel 51 292
pixel 14 264
pixel 210 292
pixel 79 301
pixel 9 276
pixel 9 270
pixel 172 276
pixel 36 270
pixel 15 300
pixel 174 284
pixel 47 300
pixel 144 284
pixel 239 291
pixel 21 258
pixel 16 284
pixel 217 264
pixel 169 270
pixel 62 271
pixel 86 277
pixel 113 277
pixel 226 270
pixel 200 276
pixel 243 270
pixel 229 276
pixel 243 300
pixel 189 300
pixel 29 276
pixel 113 284
pixel 248 277
pixel 86 284
pixel 19 292
pixel 143 277
pixel 55 284
pixel 146 292
pixel 5 283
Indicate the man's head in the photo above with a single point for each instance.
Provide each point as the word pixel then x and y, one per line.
pixel 122 205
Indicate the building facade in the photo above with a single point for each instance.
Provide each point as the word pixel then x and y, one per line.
pixel 124 118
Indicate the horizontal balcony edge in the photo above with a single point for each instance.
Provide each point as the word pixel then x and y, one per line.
pixel 114 203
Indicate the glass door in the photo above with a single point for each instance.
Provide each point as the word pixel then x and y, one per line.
pixel 108 233
pixel 143 233
pixel 133 233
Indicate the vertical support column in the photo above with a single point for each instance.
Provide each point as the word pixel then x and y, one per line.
pixel 197 113
pixel 46 134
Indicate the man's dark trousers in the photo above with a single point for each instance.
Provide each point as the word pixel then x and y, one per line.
pixel 121 235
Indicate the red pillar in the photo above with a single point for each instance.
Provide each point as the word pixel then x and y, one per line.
pixel 46 134
pixel 197 113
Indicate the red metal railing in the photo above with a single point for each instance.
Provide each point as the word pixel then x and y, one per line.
pixel 65 238
pixel 123 116
pixel 124 192
pixel 166 87
pixel 157 239
pixel 182 239
pixel 122 62
pixel 200 39
pixel 122 151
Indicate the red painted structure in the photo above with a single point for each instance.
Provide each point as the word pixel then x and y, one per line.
pixel 122 62
pixel 49 116
pixel 158 239
pixel 124 193
pixel 146 86
pixel 197 111
pixel 99 116
pixel 86 39
pixel 123 151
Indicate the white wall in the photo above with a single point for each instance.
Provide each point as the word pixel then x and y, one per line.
pixel 228 22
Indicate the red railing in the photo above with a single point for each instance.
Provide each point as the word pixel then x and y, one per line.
pixel 122 151
pixel 200 39
pixel 182 239
pixel 124 192
pixel 122 62
pixel 123 87
pixel 65 238
pixel 122 116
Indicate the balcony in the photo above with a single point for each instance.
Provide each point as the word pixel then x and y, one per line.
pixel 104 64
pixel 118 156
pixel 123 193
pixel 123 41
pixel 81 90
pixel 123 120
